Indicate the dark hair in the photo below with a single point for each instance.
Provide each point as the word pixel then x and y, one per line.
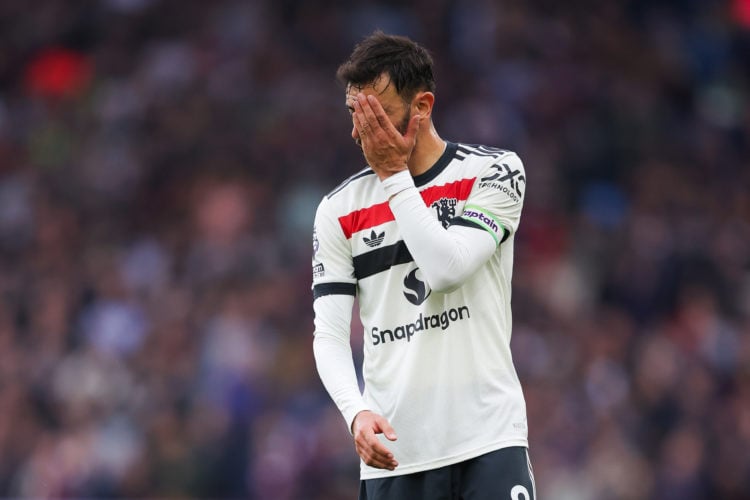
pixel 408 64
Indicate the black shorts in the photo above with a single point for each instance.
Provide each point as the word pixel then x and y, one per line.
pixel 502 474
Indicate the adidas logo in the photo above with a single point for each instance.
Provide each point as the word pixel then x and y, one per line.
pixel 374 239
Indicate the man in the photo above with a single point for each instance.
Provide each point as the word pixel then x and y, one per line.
pixel 424 237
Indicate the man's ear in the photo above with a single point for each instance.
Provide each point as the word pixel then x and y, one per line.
pixel 422 104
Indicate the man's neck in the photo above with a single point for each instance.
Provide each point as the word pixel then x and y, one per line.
pixel 427 151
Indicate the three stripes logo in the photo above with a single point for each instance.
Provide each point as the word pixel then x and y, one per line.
pixel 375 239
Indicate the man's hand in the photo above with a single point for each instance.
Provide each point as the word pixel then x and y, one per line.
pixel 364 427
pixel 386 150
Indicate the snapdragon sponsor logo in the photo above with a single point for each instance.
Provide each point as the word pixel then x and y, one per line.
pixel 416 291
pixel 423 324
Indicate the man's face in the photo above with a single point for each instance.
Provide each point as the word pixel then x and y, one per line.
pixel 395 107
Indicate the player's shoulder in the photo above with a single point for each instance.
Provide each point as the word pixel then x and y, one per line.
pixel 483 159
pixel 482 151
pixel 349 185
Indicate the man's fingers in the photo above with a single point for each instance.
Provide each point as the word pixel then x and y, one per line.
pixel 360 120
pixel 369 442
pixel 386 429
pixel 366 104
pixel 413 128
pixel 378 448
pixel 364 111
pixel 376 112
pixel 374 454
pixel 371 450
pixel 377 118
pixel 377 461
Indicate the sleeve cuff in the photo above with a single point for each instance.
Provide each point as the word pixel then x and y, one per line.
pixel 350 413
pixel 397 183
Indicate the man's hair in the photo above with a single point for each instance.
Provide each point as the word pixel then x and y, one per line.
pixel 408 64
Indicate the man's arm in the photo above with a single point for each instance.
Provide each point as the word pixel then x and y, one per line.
pixel 334 289
pixel 333 354
pixel 333 358
pixel 446 257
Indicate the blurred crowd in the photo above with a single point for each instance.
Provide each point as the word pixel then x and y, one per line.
pixel 160 165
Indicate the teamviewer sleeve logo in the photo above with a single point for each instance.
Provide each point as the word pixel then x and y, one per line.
pixel 506 174
pixel 416 291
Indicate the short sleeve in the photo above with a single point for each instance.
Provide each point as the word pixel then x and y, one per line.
pixel 496 199
pixel 332 264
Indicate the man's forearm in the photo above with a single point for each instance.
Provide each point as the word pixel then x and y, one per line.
pixel 445 257
pixel 333 354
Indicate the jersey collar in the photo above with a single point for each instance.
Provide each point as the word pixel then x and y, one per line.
pixel 439 166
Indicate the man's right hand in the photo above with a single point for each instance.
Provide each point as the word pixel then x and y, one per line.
pixel 364 428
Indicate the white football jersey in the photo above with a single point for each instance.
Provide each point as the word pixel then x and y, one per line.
pixel 438 366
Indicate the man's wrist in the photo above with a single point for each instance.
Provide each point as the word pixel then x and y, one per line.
pixel 354 419
pixel 396 183
pixel 384 173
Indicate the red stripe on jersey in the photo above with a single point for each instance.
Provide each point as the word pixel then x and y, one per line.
pixel 365 218
pixel 372 216
pixel 459 190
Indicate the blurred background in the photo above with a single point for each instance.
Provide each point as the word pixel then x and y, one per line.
pixel 160 164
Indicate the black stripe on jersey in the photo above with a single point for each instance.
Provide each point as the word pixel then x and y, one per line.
pixel 323 289
pixel 439 166
pixel 487 149
pixel 493 153
pixel 458 221
pixel 476 153
pixel 358 175
pixel 382 259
